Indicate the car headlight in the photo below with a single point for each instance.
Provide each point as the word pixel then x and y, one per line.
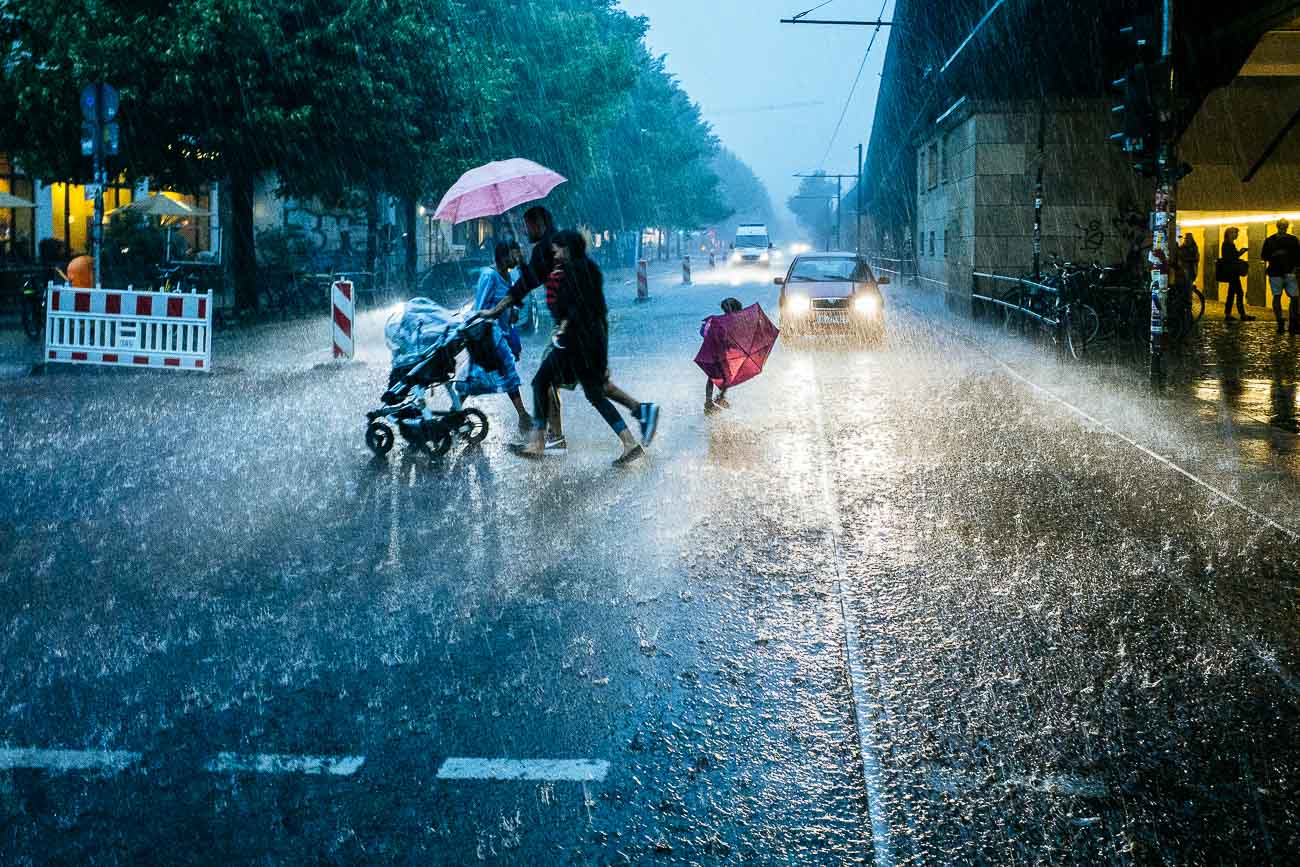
pixel 763 257
pixel 867 305
pixel 735 257
pixel 798 303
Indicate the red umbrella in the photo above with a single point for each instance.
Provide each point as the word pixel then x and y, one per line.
pixel 736 346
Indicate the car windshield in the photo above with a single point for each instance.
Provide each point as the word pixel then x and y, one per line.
pixel 752 241
pixel 830 270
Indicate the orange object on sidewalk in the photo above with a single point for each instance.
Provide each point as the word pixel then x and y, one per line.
pixel 81 272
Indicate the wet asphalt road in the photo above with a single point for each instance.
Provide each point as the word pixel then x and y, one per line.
pixel 1066 651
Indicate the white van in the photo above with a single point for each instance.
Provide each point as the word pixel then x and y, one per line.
pixel 753 246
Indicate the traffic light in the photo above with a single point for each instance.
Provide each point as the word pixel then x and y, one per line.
pixel 1137 118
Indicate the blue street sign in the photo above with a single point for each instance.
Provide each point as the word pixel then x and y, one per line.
pixel 88 98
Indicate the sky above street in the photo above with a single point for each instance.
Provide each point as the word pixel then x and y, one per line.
pixel 773 91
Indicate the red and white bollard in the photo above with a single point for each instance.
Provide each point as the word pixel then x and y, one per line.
pixel 686 270
pixel 642 281
pixel 344 307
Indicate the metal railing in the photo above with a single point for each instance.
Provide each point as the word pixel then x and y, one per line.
pixel 1014 308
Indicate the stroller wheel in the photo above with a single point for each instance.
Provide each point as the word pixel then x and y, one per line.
pixel 473 426
pixel 379 437
pixel 437 438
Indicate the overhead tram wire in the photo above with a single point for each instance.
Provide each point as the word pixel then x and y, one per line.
pixel 854 89
pixel 814 9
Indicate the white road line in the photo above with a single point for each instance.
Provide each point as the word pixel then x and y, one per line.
pixel 272 763
pixel 66 760
pixel 576 770
pixel 863 701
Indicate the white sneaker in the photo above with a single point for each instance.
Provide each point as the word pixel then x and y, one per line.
pixel 556 445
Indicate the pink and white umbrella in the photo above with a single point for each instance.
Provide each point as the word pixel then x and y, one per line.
pixel 496 188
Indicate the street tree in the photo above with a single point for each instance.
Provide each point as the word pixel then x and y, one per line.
pixel 743 194
pixel 329 95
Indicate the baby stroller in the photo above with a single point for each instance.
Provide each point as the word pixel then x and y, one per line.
pixel 426 340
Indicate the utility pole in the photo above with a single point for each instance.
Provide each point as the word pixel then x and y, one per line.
pixel 1164 217
pixel 99 138
pixel 1038 196
pixel 838 189
pixel 839 210
pixel 1149 119
pixel 857 237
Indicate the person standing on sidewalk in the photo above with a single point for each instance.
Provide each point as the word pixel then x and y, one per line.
pixel 1229 271
pixel 1282 253
pixel 1189 253
pixel 580 347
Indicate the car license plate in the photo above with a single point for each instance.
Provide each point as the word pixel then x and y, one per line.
pixel 833 318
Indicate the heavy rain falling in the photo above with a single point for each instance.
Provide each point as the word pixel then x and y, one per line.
pixel 649 432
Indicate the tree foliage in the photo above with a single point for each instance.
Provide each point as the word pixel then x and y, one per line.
pixel 743 194
pixel 346 99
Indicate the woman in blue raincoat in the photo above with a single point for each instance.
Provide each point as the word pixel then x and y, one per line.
pixel 493 285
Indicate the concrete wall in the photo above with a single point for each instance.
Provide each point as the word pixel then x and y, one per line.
pixel 1094 207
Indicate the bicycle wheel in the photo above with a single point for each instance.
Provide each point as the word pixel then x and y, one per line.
pixel 1198 305
pixel 34 316
pixel 1081 327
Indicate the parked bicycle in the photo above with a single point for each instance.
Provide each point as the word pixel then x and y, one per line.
pixel 33 304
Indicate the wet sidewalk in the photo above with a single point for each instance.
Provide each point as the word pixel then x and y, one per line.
pixel 1246 367
pixel 1227 415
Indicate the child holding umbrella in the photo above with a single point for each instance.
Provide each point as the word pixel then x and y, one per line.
pixel 736 346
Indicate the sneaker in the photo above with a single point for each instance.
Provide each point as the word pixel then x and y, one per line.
pixel 649 422
pixel 712 408
pixel 523 451
pixel 723 402
pixel 628 456
pixel 1228 317
pixel 556 445
pixel 1247 318
pixel 1281 329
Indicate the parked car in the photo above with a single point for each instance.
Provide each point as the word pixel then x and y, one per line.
pixel 832 293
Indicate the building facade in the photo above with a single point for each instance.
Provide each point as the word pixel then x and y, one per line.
pixel 970 118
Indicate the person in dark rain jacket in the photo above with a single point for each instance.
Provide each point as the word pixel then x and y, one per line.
pixel 580 346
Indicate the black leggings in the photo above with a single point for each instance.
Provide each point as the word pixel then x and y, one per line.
pixel 549 375
pixel 1235 291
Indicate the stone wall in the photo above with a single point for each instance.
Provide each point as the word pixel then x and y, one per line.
pixel 1094 207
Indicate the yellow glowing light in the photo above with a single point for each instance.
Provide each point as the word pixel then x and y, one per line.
pixel 1239 220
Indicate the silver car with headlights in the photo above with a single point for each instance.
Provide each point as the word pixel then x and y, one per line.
pixel 832 293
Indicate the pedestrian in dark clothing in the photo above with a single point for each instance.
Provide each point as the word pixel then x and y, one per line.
pixel 1229 271
pixel 1189 253
pixel 540 226
pixel 1282 253
pixel 580 346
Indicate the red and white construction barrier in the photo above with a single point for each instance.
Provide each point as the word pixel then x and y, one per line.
pixel 133 329
pixel 343 302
